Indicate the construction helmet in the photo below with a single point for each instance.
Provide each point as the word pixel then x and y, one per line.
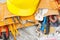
pixel 22 7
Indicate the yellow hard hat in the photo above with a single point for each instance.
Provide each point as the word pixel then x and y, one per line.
pixel 22 7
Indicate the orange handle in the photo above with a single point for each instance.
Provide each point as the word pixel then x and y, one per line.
pixel 7 31
pixel 0 31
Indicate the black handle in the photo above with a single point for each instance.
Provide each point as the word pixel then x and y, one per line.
pixel 48 26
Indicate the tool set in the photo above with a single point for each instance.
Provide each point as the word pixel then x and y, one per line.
pixel 16 14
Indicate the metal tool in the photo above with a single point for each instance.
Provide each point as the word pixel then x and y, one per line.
pixel 39 33
pixel 22 22
pixel 30 21
pixel 27 21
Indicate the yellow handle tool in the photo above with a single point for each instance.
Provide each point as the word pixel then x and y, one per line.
pixel 15 29
pixel 12 31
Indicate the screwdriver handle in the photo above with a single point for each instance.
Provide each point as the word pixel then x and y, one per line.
pixel 43 24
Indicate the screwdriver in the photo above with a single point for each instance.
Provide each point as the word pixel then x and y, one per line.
pixel 43 24
pixel 30 21
pixel 12 31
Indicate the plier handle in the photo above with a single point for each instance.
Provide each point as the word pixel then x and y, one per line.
pixel 6 34
pixel 7 31
pixel 0 32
